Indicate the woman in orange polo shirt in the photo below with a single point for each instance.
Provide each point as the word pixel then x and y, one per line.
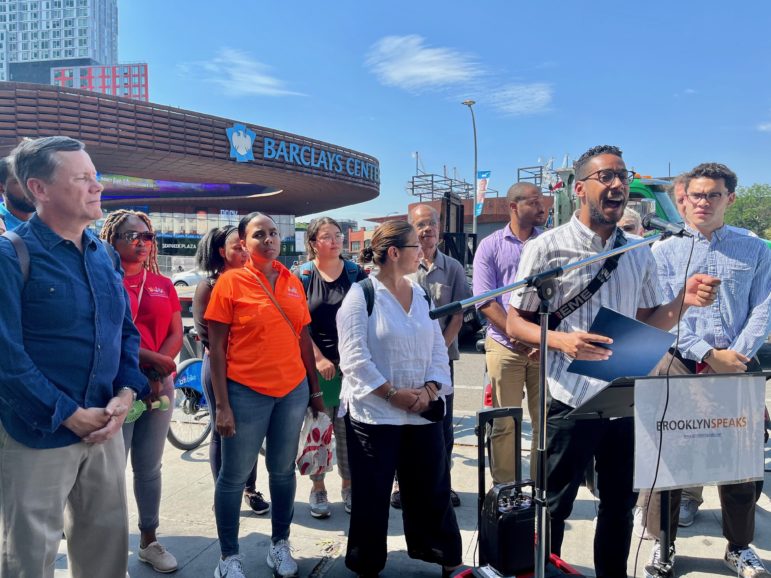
pixel 263 374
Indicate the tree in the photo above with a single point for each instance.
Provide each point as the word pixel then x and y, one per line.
pixel 752 210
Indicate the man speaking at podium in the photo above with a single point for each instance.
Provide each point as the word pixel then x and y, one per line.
pixel 722 339
pixel 632 289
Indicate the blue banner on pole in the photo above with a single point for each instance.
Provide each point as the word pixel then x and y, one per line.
pixel 483 180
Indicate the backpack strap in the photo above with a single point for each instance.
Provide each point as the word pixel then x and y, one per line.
pixel 352 270
pixel 22 253
pixel 114 257
pixel 369 294
pixel 304 273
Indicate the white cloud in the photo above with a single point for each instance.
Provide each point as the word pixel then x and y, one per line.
pixel 406 62
pixel 690 91
pixel 521 99
pixel 764 127
pixel 238 74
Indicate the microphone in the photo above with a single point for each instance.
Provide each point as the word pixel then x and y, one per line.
pixel 652 222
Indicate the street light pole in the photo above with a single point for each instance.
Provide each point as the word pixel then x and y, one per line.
pixel 470 104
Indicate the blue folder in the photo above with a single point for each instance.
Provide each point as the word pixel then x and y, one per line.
pixel 636 347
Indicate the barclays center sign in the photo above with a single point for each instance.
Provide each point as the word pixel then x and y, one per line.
pixel 313 156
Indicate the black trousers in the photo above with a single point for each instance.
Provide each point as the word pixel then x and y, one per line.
pixel 571 444
pixel 417 453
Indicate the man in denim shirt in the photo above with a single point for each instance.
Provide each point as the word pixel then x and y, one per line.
pixel 68 373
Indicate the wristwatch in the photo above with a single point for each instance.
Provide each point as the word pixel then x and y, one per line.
pixel 707 355
pixel 391 392
pixel 133 392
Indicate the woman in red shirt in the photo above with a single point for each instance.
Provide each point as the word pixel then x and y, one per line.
pixel 157 315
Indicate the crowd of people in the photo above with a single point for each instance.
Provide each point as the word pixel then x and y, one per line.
pixel 89 325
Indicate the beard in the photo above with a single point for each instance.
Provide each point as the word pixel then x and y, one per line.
pixel 21 204
pixel 596 216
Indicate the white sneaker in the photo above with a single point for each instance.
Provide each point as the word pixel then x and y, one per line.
pixel 319 504
pixel 280 560
pixel 158 557
pixel 230 567
pixel 745 563
pixel 639 522
pixel 688 510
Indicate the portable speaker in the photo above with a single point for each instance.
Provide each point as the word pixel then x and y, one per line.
pixel 507 530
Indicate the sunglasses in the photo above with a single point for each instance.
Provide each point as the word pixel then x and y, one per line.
pixel 134 237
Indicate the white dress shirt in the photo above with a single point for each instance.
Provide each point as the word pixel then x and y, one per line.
pixel 405 348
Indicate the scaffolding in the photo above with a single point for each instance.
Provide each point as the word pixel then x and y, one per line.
pixel 432 187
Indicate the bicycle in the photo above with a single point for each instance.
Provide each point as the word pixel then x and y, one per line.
pixel 190 419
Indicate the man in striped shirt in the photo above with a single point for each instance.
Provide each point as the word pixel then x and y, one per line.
pixel 722 339
pixel 602 185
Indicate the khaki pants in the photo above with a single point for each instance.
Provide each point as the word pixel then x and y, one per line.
pixel 79 489
pixel 511 373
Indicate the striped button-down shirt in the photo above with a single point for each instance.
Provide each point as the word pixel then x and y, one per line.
pixel 740 318
pixel 631 286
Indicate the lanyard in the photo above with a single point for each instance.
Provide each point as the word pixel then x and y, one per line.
pixel 139 297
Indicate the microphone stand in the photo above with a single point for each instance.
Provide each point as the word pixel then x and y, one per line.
pixel 543 283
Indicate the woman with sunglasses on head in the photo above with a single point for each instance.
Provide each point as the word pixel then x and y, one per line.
pixel 218 251
pixel 396 373
pixel 327 277
pixel 157 315
pixel 264 376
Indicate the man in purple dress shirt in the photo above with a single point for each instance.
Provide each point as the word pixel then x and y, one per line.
pixel 509 366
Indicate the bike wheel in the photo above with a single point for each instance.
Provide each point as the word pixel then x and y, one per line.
pixel 190 420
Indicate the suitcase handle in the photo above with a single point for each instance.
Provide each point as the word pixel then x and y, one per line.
pixel 485 418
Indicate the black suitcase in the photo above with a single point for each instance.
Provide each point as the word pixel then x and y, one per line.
pixel 507 514
pixel 507 511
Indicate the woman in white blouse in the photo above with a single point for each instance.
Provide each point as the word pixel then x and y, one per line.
pixel 395 368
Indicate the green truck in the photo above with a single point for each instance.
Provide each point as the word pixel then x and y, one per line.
pixel 646 195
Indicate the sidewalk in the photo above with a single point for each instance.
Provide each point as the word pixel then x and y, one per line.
pixel 187 525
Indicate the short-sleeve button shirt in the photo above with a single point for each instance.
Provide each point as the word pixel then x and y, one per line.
pixel 632 286
pixel 445 281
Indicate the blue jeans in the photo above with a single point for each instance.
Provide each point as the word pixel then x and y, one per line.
pixel 258 417
pixel 215 442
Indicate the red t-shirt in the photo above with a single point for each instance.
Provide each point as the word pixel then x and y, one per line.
pixel 157 305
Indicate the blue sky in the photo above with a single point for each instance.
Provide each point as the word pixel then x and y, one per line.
pixel 668 82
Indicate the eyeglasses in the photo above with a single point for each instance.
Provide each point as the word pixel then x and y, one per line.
pixel 709 197
pixel 328 239
pixel 408 247
pixel 134 237
pixel 607 176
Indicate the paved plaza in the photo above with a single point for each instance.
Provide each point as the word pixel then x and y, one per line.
pixel 187 522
